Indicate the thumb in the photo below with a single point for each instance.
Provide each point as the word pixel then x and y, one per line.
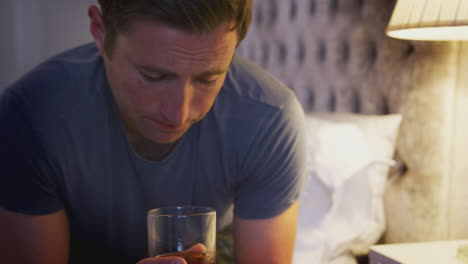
pixel 199 248
pixel 163 260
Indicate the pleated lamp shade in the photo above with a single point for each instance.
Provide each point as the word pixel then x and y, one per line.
pixel 429 20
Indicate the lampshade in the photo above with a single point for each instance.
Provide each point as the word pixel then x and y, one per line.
pixel 429 20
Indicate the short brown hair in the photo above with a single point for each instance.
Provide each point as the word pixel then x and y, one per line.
pixel 194 15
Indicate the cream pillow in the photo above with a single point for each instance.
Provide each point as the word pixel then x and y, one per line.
pixel 341 210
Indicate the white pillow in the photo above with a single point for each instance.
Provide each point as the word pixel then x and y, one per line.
pixel 341 210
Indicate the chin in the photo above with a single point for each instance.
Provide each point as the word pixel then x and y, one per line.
pixel 166 139
pixel 164 142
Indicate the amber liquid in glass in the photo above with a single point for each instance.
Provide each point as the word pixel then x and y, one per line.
pixel 194 257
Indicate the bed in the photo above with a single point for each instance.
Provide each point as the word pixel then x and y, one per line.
pixel 335 56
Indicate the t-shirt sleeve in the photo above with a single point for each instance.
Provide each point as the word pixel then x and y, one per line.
pixel 26 174
pixel 274 168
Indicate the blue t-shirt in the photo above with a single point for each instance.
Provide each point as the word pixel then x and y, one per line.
pixel 63 146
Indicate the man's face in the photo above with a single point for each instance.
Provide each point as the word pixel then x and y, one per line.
pixel 165 79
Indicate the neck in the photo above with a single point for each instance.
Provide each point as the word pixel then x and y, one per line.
pixel 150 150
pixel 146 148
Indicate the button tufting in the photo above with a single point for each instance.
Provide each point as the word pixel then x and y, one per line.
pixel 344 52
pixel 312 7
pixel 273 12
pixel 301 51
pixel 321 51
pixel 356 102
pixel 372 53
pixel 293 10
pixel 259 17
pixel 282 53
pixel 310 102
pixel 360 4
pixel 384 107
pixel 332 100
pixel 333 8
pixel 265 54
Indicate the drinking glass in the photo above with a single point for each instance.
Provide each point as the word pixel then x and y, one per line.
pixel 184 231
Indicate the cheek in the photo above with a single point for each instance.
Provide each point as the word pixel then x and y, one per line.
pixel 133 91
pixel 127 89
pixel 131 94
pixel 203 101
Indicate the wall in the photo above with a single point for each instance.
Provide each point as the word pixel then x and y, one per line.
pixel 33 30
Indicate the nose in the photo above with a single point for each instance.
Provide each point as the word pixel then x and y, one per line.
pixel 176 105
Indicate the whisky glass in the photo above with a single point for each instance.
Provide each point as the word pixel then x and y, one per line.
pixel 184 231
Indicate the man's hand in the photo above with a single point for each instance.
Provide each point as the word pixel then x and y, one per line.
pixel 163 260
pixel 193 255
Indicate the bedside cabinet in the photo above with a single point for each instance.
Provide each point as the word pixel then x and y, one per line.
pixel 437 252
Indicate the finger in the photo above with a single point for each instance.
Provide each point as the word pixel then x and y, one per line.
pixel 163 260
pixel 199 248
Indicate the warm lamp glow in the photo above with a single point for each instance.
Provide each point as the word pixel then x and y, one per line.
pixel 429 20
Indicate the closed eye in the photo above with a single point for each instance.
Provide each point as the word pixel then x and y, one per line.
pixel 208 81
pixel 150 78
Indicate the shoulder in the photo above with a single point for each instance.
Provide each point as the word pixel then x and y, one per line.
pixel 70 65
pixel 248 80
pixel 253 108
pixel 61 81
pixel 253 94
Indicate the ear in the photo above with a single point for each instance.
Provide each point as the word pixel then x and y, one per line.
pixel 96 28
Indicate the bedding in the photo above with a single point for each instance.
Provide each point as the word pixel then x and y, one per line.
pixel 341 210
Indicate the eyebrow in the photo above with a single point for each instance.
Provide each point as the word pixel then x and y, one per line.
pixel 154 69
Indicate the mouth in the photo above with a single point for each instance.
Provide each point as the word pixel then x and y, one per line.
pixel 167 128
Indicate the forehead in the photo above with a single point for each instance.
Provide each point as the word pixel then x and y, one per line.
pixel 151 42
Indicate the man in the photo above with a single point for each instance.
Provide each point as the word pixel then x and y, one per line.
pixel 157 112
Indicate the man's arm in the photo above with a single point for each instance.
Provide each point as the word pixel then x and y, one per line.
pixel 42 239
pixel 266 241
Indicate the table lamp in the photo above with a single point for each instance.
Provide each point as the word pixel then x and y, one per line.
pixel 429 20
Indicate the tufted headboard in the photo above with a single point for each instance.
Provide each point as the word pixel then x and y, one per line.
pixel 334 54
